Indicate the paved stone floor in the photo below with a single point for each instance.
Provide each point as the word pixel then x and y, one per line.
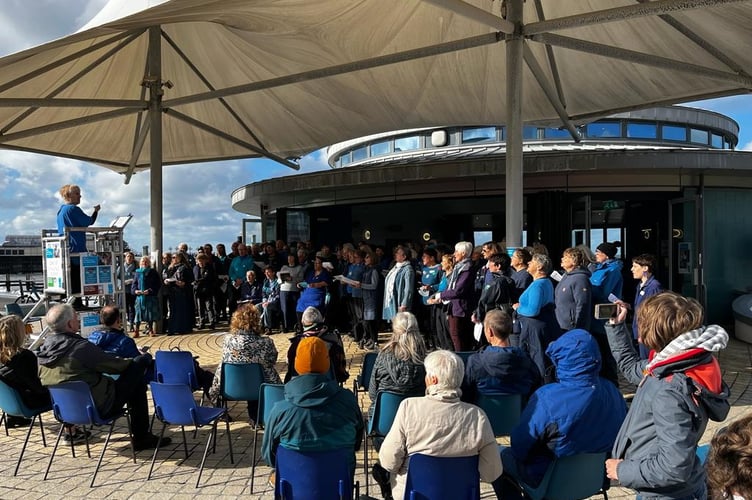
pixel 175 478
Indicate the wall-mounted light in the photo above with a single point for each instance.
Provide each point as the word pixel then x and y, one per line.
pixel 426 236
pixel 439 138
pixel 367 234
pixel 646 233
pixel 677 233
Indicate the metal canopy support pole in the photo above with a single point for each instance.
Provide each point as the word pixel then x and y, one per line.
pixel 514 194
pixel 154 81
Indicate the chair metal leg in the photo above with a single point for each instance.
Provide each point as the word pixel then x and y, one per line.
pixel 86 439
pixel 4 420
pixel 185 442
pixel 206 451
pixel 156 449
pixel 130 436
pixel 41 429
pixel 72 444
pixel 365 458
pixel 253 460
pixel 52 456
pixel 214 437
pixel 23 449
pixel 101 455
pixel 229 442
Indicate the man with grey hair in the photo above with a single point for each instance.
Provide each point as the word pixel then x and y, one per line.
pixel 65 356
pixel 313 326
pixel 456 429
pixel 460 294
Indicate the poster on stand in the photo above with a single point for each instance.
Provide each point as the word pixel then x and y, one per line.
pixel 54 272
pixel 97 274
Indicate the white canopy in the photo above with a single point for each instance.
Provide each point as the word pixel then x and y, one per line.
pixel 239 78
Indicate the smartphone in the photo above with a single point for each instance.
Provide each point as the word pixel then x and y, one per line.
pixel 605 311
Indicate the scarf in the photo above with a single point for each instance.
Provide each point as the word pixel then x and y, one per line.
pixel 711 338
pixel 461 266
pixel 443 394
pixel 390 280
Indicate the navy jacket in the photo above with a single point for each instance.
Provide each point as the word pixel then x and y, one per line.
pixel 573 298
pixel 499 370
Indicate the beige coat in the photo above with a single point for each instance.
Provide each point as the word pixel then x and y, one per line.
pixel 439 425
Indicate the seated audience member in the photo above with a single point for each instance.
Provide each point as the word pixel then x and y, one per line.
pixel 499 368
pixel 399 364
pixel 316 414
pixel 250 291
pixel 678 390
pixel 313 326
pixel 18 368
pixel 65 356
pixel 245 344
pixel 112 339
pixel 729 462
pixel 580 413
pixel 439 424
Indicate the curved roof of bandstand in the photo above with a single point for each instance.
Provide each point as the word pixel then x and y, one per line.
pixel 477 169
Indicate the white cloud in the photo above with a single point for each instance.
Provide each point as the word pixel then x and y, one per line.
pixel 746 147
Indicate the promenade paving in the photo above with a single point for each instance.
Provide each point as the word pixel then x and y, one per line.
pixel 175 477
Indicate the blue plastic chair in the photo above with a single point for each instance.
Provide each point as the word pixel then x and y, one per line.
pixel 174 405
pixel 240 382
pixel 11 404
pixel 702 452
pixel 175 367
pixel 364 378
pixel 384 411
pixel 503 411
pixel 314 475
pixel 559 483
pixel 269 395
pixel 73 404
pixel 435 478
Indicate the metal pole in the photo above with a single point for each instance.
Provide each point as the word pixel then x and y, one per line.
pixel 154 81
pixel 514 194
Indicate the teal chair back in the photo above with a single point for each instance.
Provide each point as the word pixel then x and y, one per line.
pixel 503 411
pixel 269 395
pixel 11 404
pixel 384 412
pixel 364 379
pixel 567 478
pixel 241 381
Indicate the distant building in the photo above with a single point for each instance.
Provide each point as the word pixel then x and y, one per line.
pixel 21 254
pixel 665 181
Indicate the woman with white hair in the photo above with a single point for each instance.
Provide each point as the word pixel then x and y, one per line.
pixel 440 425
pixel 399 365
pixel 460 295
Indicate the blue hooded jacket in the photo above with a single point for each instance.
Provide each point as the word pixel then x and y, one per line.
pixel 606 279
pixel 580 413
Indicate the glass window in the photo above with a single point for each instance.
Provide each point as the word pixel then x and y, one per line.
pixel 298 225
pixel 716 141
pixel 698 136
pixel 529 133
pixel 638 130
pixel 478 134
pixel 674 133
pixel 345 159
pixel 556 133
pixel 406 143
pixel 359 154
pixel 381 148
pixel 603 129
pixel 502 133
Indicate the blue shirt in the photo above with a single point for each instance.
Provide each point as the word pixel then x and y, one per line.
pixel 538 294
pixel 70 215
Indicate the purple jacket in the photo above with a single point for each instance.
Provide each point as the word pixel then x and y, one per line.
pixel 461 291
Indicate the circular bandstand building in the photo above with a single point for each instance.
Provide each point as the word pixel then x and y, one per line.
pixel 666 181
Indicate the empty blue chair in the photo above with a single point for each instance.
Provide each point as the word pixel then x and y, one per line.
pixel 175 367
pixel 11 404
pixel 702 452
pixel 269 395
pixel 570 478
pixel 314 475
pixel 436 478
pixel 72 404
pixel 364 378
pixel 240 382
pixel 503 411
pixel 384 411
pixel 174 405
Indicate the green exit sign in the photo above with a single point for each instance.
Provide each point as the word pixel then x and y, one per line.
pixel 610 205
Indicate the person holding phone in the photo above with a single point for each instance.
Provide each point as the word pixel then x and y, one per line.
pixel 678 390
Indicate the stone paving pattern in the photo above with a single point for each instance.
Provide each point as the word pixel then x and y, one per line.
pixel 175 478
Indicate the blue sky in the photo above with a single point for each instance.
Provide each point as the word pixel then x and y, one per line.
pixel 196 200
